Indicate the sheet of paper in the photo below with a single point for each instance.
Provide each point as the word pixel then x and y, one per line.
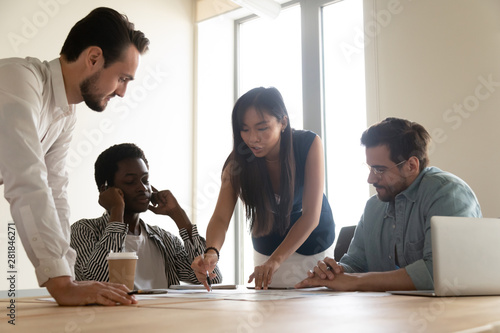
pixel 46 299
pixel 243 294
pixel 202 287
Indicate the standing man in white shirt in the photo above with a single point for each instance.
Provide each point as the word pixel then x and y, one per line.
pixel 37 117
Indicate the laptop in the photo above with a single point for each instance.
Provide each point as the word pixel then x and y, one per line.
pixel 466 257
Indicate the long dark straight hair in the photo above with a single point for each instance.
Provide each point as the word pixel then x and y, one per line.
pixel 249 176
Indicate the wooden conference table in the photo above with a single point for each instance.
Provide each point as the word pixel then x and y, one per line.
pixel 304 311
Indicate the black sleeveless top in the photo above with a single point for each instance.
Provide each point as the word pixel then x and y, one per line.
pixel 322 237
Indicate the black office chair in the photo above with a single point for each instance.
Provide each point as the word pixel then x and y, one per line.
pixel 343 241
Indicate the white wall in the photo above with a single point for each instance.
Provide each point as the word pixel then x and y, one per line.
pixel 156 113
pixel 427 61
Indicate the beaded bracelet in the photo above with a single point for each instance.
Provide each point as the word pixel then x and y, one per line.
pixel 213 248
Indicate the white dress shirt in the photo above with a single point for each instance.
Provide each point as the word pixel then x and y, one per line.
pixel 36 125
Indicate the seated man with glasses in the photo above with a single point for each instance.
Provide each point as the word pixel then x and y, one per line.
pixel 391 247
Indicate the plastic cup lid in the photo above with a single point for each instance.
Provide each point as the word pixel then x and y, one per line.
pixel 122 255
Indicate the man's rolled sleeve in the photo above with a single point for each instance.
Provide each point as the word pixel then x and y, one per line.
pixel 51 268
pixel 420 275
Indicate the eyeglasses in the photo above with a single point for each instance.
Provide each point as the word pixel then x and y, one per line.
pixel 379 171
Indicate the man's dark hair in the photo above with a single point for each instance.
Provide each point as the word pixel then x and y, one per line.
pixel 106 164
pixel 107 29
pixel 403 138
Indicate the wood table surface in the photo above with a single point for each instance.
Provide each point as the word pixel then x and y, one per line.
pixel 323 312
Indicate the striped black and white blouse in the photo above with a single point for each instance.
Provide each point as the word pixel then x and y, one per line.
pixel 93 239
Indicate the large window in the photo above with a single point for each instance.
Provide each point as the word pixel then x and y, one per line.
pixel 344 109
pixel 323 91
pixel 269 54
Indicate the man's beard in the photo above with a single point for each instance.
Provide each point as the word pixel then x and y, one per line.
pixel 391 191
pixel 87 87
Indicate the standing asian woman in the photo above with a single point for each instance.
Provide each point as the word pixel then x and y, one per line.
pixel 278 173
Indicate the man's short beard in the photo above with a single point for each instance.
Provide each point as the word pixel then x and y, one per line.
pixel 393 190
pixel 86 87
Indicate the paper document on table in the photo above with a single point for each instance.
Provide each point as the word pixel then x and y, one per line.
pixel 243 294
pixel 46 299
pixel 201 287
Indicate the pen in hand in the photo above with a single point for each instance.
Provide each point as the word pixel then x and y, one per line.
pixel 209 282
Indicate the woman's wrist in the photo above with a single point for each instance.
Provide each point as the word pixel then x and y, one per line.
pixel 276 258
pixel 212 249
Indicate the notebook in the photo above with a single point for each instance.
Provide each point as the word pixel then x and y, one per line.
pixel 466 257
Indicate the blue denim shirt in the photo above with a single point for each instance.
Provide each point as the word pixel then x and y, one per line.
pixel 402 227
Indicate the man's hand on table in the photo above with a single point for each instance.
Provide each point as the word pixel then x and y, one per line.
pixel 68 292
